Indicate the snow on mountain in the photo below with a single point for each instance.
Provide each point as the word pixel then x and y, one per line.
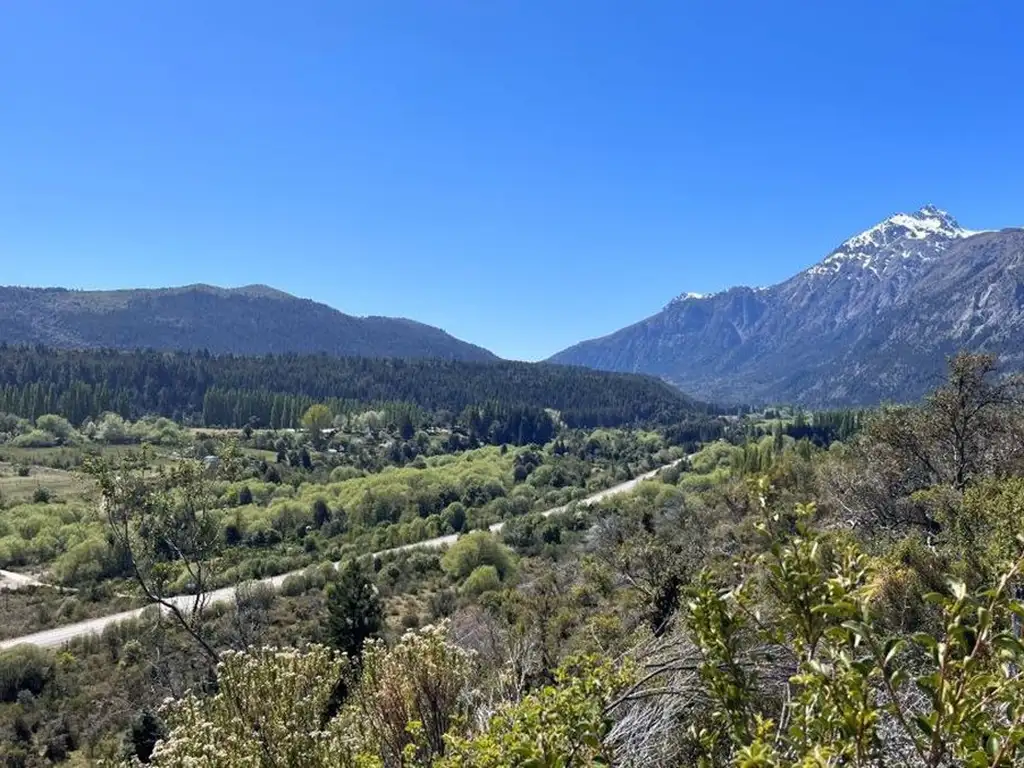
pixel 921 235
pixel 691 296
pixel 685 296
pixel 873 321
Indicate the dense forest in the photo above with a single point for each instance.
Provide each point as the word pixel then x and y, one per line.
pixel 275 390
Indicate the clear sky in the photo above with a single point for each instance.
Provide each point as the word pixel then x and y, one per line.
pixel 524 174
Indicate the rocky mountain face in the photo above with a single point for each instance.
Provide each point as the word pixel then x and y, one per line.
pixel 872 322
pixel 247 321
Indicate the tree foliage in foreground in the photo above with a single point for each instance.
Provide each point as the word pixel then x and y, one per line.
pixel 267 712
pixel 163 524
pixel 564 724
pixel 855 695
pixel 272 708
pixel 410 705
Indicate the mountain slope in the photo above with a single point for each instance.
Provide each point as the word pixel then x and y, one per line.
pixel 254 319
pixel 873 321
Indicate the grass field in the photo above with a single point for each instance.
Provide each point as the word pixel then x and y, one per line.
pixel 61 457
pixel 66 485
pixel 260 454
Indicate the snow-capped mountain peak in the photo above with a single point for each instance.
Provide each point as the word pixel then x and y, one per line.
pixel 922 234
pixel 689 296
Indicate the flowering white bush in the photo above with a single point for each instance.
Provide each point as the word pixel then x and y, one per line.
pixel 272 707
pixel 408 697
pixel 267 712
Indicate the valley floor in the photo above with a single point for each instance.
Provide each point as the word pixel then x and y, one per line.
pixel 60 635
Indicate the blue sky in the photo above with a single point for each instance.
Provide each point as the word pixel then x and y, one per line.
pixel 521 174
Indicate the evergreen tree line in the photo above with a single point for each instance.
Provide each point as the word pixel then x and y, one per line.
pixel 497 425
pixel 825 427
pixel 275 390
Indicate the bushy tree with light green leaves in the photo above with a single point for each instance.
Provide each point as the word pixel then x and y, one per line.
pixel 59 427
pixel 479 548
pixel 484 578
pixel 315 420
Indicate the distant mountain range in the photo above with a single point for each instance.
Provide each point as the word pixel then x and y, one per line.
pixel 873 321
pixel 252 320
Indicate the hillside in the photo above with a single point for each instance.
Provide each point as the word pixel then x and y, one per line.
pixel 873 321
pixel 252 320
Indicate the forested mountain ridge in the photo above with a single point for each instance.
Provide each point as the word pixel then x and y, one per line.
pixel 274 390
pixel 251 320
pixel 873 321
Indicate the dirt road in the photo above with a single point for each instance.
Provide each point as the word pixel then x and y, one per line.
pixel 52 638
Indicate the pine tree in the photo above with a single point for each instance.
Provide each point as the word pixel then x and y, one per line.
pixel 354 610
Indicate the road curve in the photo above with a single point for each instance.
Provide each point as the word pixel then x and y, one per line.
pixel 12 580
pixel 54 638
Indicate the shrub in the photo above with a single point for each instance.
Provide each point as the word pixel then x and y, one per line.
pixel 267 711
pixel 132 652
pixel 341 474
pixel 37 438
pixel 294 585
pixel 24 668
pixel 670 475
pixel 57 426
pixel 476 549
pixel 422 679
pixel 482 579
pixel 254 596
pixel 42 495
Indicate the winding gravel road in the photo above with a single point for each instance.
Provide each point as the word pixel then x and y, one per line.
pixel 52 638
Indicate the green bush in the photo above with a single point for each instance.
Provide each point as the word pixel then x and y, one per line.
pixel 482 579
pixel 294 585
pixel 37 438
pixel 474 550
pixel 57 426
pixel 255 595
pixel 24 668
pixel 341 474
